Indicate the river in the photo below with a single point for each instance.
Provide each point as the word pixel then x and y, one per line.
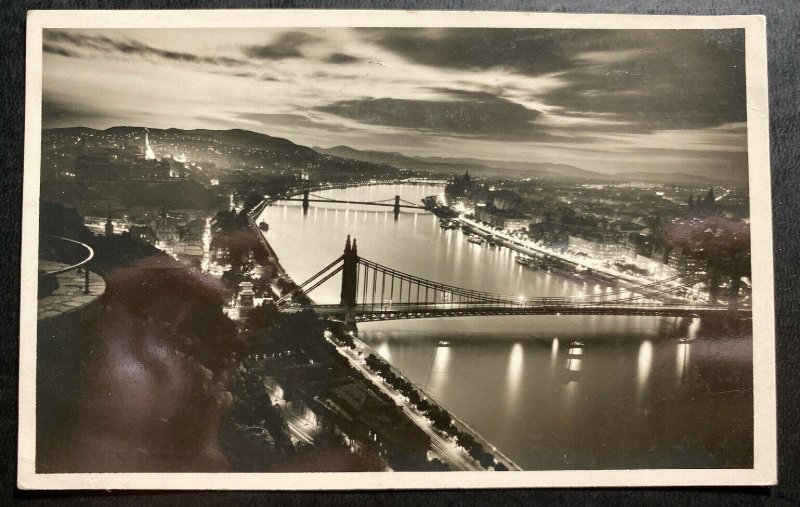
pixel 551 392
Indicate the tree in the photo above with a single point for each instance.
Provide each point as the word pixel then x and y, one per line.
pixel 710 199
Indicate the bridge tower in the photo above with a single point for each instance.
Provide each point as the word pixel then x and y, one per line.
pixel 305 201
pixel 349 283
pixel 396 206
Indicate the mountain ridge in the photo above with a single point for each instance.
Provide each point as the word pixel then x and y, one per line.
pixel 510 167
pixel 504 168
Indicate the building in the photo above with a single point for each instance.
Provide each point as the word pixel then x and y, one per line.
pixel 188 248
pixel 166 229
pixel 123 163
pixel 599 248
pixel 515 224
pixel 688 264
pixel 507 219
pixel 246 294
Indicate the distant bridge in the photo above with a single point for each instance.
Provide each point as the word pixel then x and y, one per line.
pixel 397 203
pixel 371 292
pixel 306 191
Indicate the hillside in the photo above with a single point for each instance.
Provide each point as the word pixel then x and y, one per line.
pixel 238 148
pixel 646 177
pixel 479 166
pixel 225 155
pixel 515 169
pixel 235 137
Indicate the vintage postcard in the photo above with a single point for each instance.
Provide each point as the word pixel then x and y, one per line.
pixel 289 249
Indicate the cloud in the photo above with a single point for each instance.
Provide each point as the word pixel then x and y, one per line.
pixel 464 113
pixel 298 121
pixel 59 50
pixel 64 113
pixel 341 58
pixel 285 46
pixel 58 41
pixel 656 79
pixel 686 84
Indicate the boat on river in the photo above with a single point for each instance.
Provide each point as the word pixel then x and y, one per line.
pixel 446 223
pixel 263 226
pixel 526 260
pixel 474 238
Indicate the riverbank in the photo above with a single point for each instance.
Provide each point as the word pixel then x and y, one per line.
pixel 590 268
pixel 460 425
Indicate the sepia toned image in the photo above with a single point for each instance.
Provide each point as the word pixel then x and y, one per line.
pixel 271 244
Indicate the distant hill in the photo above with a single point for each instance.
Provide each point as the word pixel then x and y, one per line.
pixel 515 169
pixel 250 139
pixel 215 151
pixel 564 170
pixel 487 167
pixel 646 177
pixel 201 140
pixel 378 157
pixel 235 137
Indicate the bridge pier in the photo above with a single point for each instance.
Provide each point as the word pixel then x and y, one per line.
pixel 349 285
pixel 396 206
pixel 305 202
pixel 350 321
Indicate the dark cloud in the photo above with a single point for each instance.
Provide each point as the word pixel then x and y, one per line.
pixel 472 114
pixel 286 46
pixel 58 50
pixel 57 39
pixel 292 120
pixel 64 113
pixel 656 79
pixel 341 58
pixel 680 83
pixel 529 51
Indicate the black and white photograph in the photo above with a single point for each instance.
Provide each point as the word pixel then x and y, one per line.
pixel 283 250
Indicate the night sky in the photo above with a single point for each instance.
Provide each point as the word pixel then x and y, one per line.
pixel 603 100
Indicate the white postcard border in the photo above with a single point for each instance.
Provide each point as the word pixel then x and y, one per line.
pixel 765 431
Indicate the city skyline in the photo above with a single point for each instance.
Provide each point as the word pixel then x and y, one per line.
pixel 603 100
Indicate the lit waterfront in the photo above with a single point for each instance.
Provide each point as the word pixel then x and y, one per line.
pixel 551 392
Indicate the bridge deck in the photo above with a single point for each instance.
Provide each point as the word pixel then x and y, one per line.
pixel 365 203
pixel 367 312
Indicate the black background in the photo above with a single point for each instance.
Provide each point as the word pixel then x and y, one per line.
pixel 783 30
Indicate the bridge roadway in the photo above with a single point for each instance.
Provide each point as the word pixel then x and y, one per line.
pixel 397 311
pixel 336 201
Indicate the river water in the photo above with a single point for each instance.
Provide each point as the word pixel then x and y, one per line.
pixel 551 392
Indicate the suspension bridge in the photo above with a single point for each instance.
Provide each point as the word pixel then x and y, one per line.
pixel 371 291
pixel 396 203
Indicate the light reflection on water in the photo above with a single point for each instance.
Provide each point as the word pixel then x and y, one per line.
pixel 644 364
pixel 515 366
pixel 551 392
pixel 682 362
